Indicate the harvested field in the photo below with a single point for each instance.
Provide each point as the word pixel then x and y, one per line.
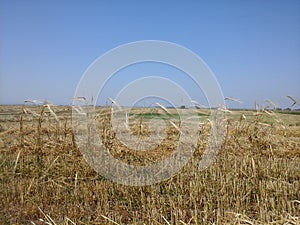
pixel 44 178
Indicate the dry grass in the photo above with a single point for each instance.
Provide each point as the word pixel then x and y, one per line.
pixel 45 180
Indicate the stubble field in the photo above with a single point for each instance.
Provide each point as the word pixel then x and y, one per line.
pixel 44 178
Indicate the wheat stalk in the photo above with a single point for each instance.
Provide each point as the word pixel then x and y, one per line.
pixel 233 99
pixel 110 220
pixel 164 108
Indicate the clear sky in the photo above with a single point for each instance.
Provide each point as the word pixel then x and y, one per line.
pixel 253 47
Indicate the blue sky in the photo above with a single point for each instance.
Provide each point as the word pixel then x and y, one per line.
pixel 253 47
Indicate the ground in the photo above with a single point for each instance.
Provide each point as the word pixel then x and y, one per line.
pixel 44 178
